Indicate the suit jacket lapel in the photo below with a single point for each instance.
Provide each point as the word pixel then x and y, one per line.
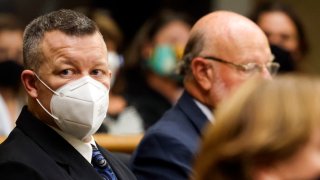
pixel 189 107
pixel 55 146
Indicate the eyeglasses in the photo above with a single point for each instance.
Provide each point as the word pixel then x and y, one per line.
pixel 250 68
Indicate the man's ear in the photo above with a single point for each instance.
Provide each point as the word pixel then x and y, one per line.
pixel 201 73
pixel 29 82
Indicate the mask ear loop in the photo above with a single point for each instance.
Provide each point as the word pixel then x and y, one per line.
pixel 53 116
pixel 46 85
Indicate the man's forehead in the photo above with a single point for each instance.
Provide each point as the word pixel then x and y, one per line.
pixel 59 44
pixel 58 39
pixel 244 50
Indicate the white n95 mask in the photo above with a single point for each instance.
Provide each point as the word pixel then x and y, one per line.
pixel 79 107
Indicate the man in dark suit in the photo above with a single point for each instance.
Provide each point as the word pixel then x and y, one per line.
pixel 67 80
pixel 224 50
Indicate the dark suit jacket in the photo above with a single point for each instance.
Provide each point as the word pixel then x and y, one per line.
pixel 168 147
pixel 35 151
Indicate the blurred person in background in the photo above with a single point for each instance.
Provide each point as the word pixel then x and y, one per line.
pixel 12 96
pixel 10 38
pixel 153 85
pixel 268 130
pixel 283 28
pixel 224 50
pixel 121 118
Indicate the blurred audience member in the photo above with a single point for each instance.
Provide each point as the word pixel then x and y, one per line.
pixel 12 98
pixel 11 94
pixel 282 27
pixel 10 38
pixel 224 50
pixel 269 130
pixel 152 83
pixel 121 118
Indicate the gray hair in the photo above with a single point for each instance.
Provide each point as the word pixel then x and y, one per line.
pixel 67 21
pixel 193 48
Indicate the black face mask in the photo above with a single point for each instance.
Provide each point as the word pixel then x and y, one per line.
pixel 10 72
pixel 284 58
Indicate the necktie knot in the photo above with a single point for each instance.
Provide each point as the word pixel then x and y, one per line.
pixel 97 158
pixel 101 165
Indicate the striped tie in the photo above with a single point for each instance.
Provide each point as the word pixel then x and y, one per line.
pixel 101 165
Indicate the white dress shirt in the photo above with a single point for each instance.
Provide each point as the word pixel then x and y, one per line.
pixel 84 148
pixel 205 110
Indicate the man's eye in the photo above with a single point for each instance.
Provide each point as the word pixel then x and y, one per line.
pixel 66 72
pixel 251 68
pixel 97 72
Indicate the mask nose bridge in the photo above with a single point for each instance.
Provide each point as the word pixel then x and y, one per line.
pixel 86 81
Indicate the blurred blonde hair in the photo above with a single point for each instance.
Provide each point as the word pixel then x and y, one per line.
pixel 108 28
pixel 262 123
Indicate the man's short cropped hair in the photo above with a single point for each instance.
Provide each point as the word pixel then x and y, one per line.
pixel 67 21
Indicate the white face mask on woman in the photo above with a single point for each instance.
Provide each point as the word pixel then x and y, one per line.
pixel 79 107
pixel 115 61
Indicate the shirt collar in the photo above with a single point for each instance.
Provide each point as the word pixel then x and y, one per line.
pixel 84 148
pixel 205 110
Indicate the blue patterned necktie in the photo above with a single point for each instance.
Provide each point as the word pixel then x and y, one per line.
pixel 101 165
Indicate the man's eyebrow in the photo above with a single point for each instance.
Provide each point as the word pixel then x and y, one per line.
pixel 66 61
pixel 101 63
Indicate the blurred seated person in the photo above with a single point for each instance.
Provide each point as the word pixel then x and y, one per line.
pixel 216 63
pixel 11 94
pixel 269 130
pixel 152 84
pixel 122 118
pixel 12 98
pixel 282 27
pixel 10 38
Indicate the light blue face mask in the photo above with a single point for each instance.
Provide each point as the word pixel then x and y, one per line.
pixel 163 60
